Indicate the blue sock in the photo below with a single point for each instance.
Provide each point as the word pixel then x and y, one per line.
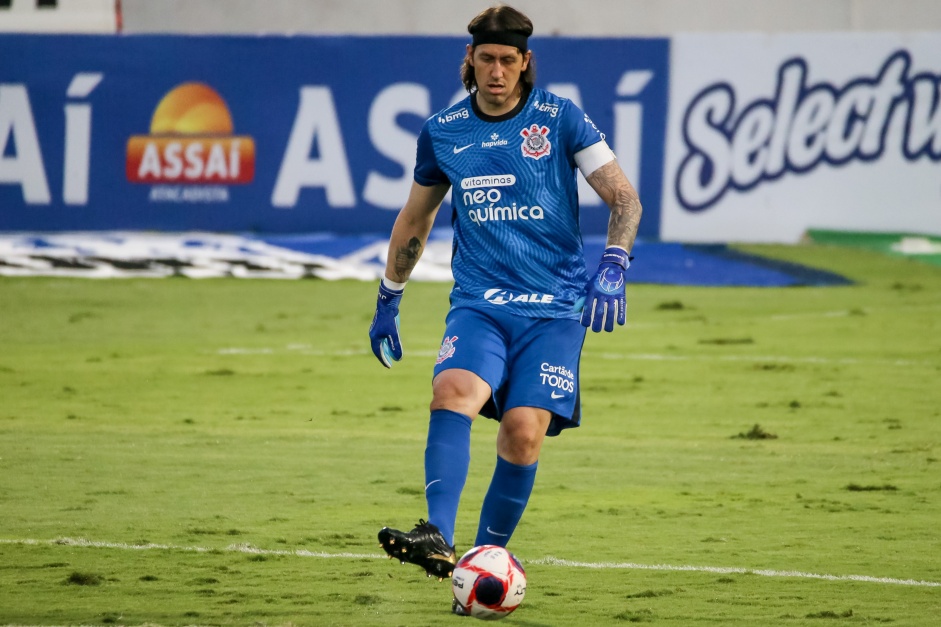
pixel 447 459
pixel 505 501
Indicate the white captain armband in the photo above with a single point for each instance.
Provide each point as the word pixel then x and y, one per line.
pixel 590 159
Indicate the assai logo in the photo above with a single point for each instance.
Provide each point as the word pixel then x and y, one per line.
pixel 191 144
pixel 536 143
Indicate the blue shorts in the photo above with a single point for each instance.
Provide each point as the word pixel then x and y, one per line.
pixel 527 362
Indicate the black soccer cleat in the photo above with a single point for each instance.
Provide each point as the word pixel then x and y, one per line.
pixel 423 546
pixel 457 609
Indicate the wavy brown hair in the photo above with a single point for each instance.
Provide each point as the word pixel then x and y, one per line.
pixel 500 18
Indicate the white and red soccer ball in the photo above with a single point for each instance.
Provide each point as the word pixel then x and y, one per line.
pixel 488 582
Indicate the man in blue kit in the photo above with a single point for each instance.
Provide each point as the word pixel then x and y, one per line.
pixel 522 296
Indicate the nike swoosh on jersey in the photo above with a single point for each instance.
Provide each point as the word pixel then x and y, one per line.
pixel 462 149
pixel 556 395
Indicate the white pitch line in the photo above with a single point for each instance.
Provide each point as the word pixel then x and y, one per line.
pixel 554 561
pixel 232 548
pixel 845 361
pixel 546 561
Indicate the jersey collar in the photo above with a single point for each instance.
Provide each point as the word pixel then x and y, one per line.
pixel 504 116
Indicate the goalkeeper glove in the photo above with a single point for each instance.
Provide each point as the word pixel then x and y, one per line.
pixel 604 300
pixel 384 330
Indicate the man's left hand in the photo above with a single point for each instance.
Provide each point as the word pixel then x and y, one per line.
pixel 604 295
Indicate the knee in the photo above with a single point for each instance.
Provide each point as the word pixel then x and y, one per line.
pixel 520 442
pixel 459 391
pixel 449 393
pixel 521 452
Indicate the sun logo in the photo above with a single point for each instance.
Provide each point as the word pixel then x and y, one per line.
pixel 535 143
pixel 191 142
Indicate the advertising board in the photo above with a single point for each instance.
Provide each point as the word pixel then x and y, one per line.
pixel 772 135
pixel 273 134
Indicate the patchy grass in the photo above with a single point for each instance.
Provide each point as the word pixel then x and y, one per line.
pixel 176 423
pixel 756 433
pixel 84 579
pixel 855 487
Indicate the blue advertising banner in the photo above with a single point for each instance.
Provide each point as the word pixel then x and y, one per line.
pixel 275 134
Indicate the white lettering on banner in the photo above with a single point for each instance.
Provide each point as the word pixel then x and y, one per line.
pixel 924 121
pixel 628 126
pixel 586 195
pixel 78 139
pixel 26 167
pixel 803 127
pixel 150 161
pixel 315 123
pixel 394 142
pixel 189 194
pixel 628 123
pixel 189 163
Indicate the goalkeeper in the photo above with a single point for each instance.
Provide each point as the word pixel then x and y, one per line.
pixel 522 297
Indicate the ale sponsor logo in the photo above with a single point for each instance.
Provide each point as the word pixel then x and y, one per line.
pixel 499 296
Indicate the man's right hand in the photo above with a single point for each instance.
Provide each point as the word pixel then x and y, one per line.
pixel 384 330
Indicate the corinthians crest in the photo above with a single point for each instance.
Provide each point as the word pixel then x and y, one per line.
pixel 447 349
pixel 535 143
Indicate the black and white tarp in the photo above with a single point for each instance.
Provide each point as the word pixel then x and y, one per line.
pixel 109 255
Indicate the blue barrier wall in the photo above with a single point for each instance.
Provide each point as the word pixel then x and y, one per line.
pixel 274 134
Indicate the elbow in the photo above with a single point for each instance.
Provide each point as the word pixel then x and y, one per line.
pixel 626 200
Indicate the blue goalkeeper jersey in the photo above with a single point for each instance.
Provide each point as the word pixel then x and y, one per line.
pixel 517 243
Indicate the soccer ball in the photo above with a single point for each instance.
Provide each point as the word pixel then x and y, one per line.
pixel 488 582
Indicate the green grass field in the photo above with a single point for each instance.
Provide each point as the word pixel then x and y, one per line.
pixel 223 452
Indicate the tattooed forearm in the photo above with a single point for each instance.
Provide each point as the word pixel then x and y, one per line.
pixel 621 197
pixel 405 259
pixel 624 220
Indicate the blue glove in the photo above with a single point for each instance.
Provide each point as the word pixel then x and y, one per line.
pixel 384 330
pixel 604 300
